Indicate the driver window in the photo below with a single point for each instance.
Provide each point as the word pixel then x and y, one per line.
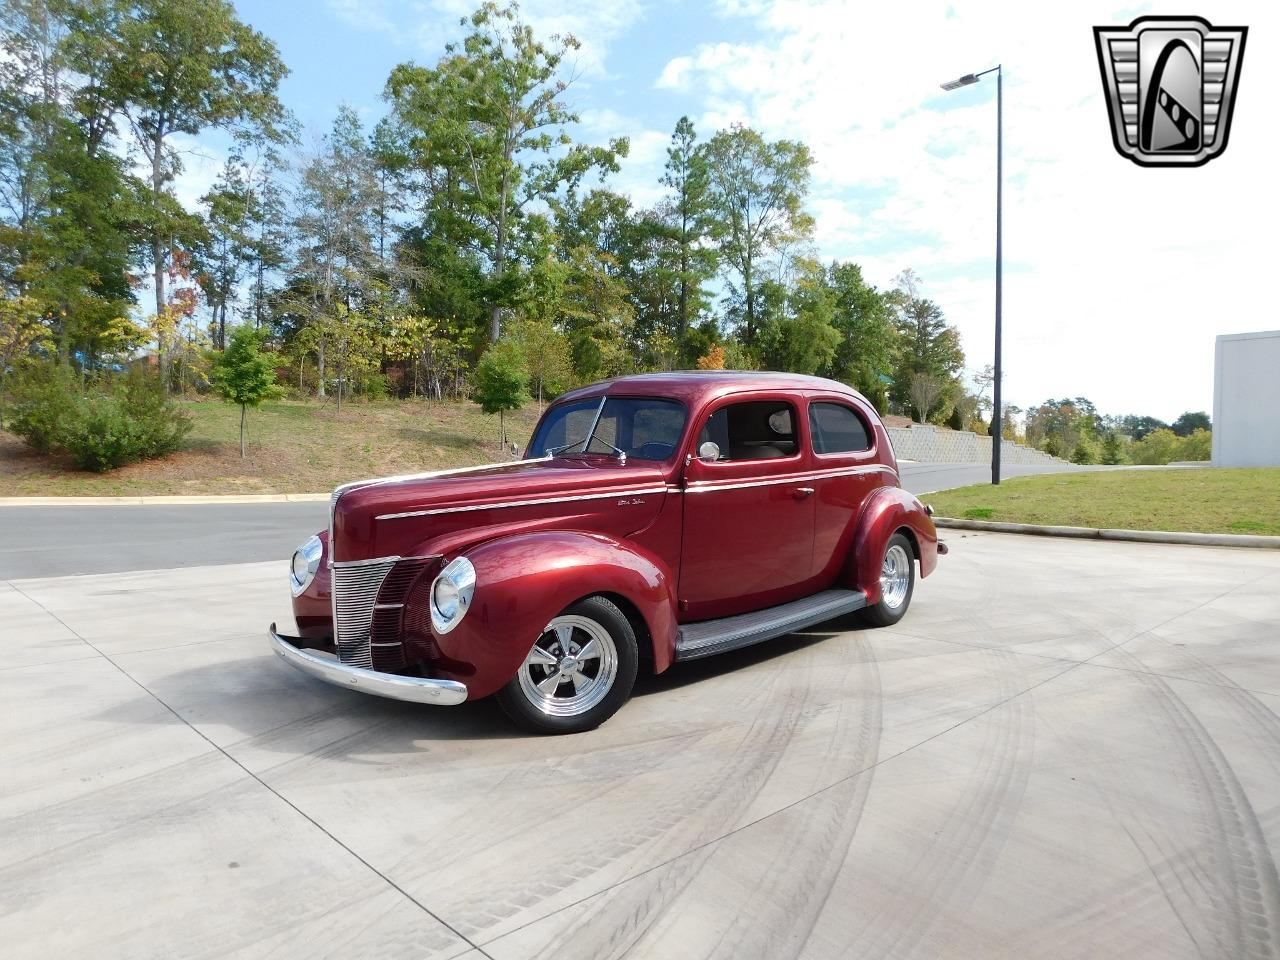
pixel 756 430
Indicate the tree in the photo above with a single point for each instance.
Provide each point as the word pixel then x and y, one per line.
pixel 863 319
pixel 243 374
pixel 20 331
pixel 1113 448
pixel 489 121
pixel 756 194
pixel 1190 422
pixel 800 337
pixel 925 391
pixel 547 357
pixel 689 219
pixel 926 343
pixel 501 382
pixel 190 65
pixel 713 359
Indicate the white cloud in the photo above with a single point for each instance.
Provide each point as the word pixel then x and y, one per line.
pixel 1117 277
pixel 428 25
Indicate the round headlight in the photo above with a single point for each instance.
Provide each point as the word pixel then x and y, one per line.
pixel 446 598
pixel 305 563
pixel 451 594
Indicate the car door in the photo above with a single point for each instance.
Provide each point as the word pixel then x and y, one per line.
pixel 748 508
pixel 847 468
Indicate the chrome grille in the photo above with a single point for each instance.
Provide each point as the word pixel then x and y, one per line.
pixel 355 591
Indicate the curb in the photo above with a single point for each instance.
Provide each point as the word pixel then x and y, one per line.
pixel 157 501
pixel 1094 533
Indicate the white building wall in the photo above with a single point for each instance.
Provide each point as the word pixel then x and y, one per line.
pixel 1246 400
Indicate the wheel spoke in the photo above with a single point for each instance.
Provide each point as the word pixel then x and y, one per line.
pixel 590 650
pixel 580 681
pixel 548 686
pixel 564 633
pixel 544 657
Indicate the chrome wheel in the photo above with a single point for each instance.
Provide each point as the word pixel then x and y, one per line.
pixel 895 577
pixel 571 667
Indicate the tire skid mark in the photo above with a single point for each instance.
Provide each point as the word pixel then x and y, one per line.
pixel 800 888
pixel 743 772
pixel 1231 867
pixel 950 872
pixel 649 906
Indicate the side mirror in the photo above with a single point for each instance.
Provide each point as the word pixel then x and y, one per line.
pixel 709 451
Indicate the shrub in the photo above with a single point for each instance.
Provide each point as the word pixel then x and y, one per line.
pixel 1086 451
pixel 1197 446
pixel 1113 451
pixel 1165 446
pixel 44 403
pixel 134 421
pixel 119 420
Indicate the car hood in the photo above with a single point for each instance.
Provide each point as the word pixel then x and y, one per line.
pixel 367 515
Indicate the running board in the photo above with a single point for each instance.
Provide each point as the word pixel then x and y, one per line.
pixel 716 636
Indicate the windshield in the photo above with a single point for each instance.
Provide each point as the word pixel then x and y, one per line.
pixel 644 428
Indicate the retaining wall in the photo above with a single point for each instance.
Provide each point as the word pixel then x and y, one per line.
pixel 929 444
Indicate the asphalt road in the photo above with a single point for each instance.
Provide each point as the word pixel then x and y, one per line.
pixel 63 540
pixel 1067 749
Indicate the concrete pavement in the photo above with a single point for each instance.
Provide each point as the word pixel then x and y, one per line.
pixel 1067 749
pixel 45 541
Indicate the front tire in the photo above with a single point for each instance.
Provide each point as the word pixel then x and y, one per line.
pixel 579 672
pixel 897 583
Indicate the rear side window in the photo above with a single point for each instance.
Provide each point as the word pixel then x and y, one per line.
pixel 837 429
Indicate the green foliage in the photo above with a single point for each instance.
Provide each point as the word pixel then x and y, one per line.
pixel 925 346
pixel 1190 422
pixel 1165 446
pixel 1113 448
pixel 44 401
pixel 756 195
pixel 501 381
pixel 1087 450
pixel 135 421
pixel 116 421
pixel 244 375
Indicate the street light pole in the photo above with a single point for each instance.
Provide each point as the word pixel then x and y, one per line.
pixel 997 413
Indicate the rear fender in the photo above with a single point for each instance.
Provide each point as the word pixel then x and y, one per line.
pixel 523 581
pixel 888 510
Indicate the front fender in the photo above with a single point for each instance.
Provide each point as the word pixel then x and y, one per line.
pixel 888 510
pixel 523 581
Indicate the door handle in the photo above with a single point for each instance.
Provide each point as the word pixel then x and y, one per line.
pixel 801 492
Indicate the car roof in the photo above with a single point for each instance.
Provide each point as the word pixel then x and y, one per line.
pixel 694 387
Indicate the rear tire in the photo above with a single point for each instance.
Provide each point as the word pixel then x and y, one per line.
pixel 897 583
pixel 579 672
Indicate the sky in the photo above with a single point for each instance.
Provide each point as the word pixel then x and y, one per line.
pixel 1117 278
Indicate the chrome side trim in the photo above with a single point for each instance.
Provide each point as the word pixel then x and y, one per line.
pixel 393 686
pixel 505 504
pixel 711 486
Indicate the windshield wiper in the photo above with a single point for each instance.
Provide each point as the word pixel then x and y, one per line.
pixel 591 435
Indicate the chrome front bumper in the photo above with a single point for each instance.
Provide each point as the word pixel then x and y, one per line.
pixel 413 689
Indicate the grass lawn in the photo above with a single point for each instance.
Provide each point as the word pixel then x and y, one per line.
pixel 1200 500
pixel 294 447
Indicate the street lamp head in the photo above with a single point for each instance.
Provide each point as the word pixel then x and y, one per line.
pixel 964 81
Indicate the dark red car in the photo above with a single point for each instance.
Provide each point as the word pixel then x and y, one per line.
pixel 655 518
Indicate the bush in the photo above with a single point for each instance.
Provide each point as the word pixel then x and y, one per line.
pixel 118 421
pixel 1086 451
pixel 44 399
pixel 1113 451
pixel 1165 446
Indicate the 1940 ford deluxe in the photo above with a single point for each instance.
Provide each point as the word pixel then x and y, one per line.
pixel 654 518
